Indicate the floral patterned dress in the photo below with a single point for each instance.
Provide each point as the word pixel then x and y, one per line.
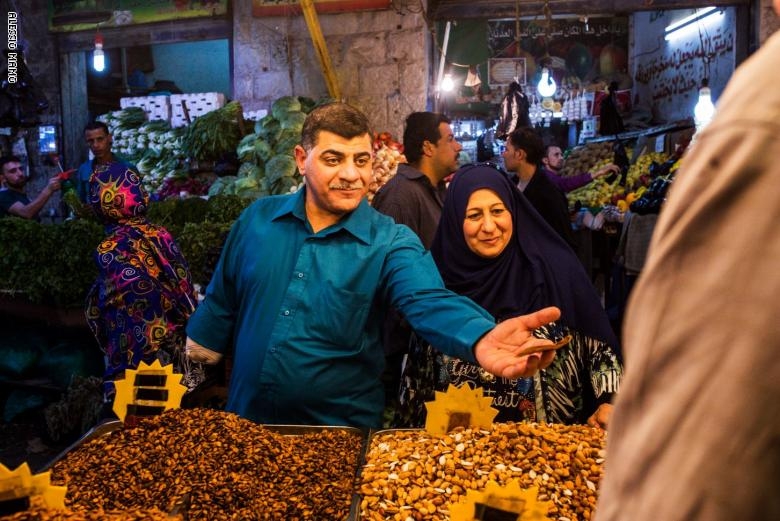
pixel 139 305
pixel 584 374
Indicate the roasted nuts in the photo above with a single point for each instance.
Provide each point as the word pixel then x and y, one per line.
pixel 412 475
pixel 208 464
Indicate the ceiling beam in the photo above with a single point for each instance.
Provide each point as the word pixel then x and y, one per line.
pixel 460 9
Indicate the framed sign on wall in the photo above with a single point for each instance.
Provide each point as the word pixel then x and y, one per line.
pixel 503 71
pixel 262 8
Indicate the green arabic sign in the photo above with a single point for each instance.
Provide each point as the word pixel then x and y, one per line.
pixel 80 15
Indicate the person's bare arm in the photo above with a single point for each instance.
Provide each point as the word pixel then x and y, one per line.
pixel 29 211
pixel 498 352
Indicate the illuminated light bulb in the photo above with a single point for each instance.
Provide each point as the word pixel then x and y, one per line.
pixel 704 109
pixel 447 85
pixel 547 85
pixel 98 56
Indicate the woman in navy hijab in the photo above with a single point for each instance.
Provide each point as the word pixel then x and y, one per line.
pixel 492 246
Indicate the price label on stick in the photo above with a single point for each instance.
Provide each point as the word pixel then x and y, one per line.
pixel 148 391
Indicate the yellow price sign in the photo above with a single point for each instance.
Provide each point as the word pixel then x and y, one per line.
pixel 459 407
pixel 19 486
pixel 148 391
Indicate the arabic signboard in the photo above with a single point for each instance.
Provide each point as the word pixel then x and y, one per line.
pixel 578 48
pixel 80 15
pixel 262 8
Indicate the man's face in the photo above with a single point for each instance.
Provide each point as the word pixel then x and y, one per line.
pixel 99 142
pixel 554 159
pixel 445 151
pixel 337 171
pixel 13 175
pixel 511 157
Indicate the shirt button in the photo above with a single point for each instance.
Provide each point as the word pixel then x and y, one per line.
pixel 300 275
pixel 286 312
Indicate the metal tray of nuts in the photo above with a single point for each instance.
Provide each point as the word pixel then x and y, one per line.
pixel 194 506
pixel 410 473
pixel 95 432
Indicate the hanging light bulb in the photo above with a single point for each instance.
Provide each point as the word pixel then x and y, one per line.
pixel 547 85
pixel 98 56
pixel 704 109
pixel 447 84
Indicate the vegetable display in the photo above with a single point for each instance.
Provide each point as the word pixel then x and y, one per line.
pixel 266 156
pixel 606 191
pixel 165 156
pixel 388 154
pixel 154 147
pixel 215 134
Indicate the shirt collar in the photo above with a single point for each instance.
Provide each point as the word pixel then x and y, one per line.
pixel 358 222
pixel 413 174
pixel 409 172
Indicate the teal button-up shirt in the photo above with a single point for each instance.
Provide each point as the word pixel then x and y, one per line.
pixel 302 312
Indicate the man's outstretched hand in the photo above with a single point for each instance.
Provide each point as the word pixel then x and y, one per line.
pixel 498 351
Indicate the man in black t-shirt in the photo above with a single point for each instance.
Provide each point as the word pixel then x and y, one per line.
pixel 13 199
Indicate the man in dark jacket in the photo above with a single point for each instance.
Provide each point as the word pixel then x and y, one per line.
pixel 523 158
pixel 414 197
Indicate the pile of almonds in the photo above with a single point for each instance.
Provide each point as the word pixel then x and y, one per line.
pixel 413 475
pixel 209 464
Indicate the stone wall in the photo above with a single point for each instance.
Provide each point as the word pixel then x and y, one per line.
pixel 381 59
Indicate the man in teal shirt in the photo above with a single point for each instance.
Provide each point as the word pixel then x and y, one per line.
pixel 305 280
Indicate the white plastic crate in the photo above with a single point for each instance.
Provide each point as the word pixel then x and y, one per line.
pixel 156 107
pixel 255 115
pixel 197 104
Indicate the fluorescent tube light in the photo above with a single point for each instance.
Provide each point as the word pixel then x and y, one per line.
pixel 681 27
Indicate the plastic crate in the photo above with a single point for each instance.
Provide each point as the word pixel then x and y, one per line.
pixel 255 115
pixel 196 104
pixel 156 107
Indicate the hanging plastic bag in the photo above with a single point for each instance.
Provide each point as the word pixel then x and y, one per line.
pixel 513 112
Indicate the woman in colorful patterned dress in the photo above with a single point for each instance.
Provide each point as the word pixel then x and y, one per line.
pixel 492 246
pixel 139 304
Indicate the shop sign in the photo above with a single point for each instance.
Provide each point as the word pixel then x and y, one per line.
pixel 261 8
pixel 77 15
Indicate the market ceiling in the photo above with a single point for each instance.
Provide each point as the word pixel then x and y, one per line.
pixel 459 9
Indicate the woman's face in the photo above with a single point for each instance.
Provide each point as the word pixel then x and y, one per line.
pixel 487 226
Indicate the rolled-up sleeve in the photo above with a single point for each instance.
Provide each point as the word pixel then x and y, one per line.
pixel 450 322
pixel 213 322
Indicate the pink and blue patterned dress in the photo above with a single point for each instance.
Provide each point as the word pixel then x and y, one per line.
pixel 139 305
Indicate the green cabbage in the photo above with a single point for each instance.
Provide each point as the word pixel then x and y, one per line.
pixel 284 105
pixel 281 165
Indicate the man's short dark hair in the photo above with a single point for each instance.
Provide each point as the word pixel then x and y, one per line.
pixel 529 141
pixel 339 118
pixel 419 128
pixel 95 125
pixel 8 159
pixel 549 146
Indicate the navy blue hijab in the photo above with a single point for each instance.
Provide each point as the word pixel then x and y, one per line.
pixel 536 269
